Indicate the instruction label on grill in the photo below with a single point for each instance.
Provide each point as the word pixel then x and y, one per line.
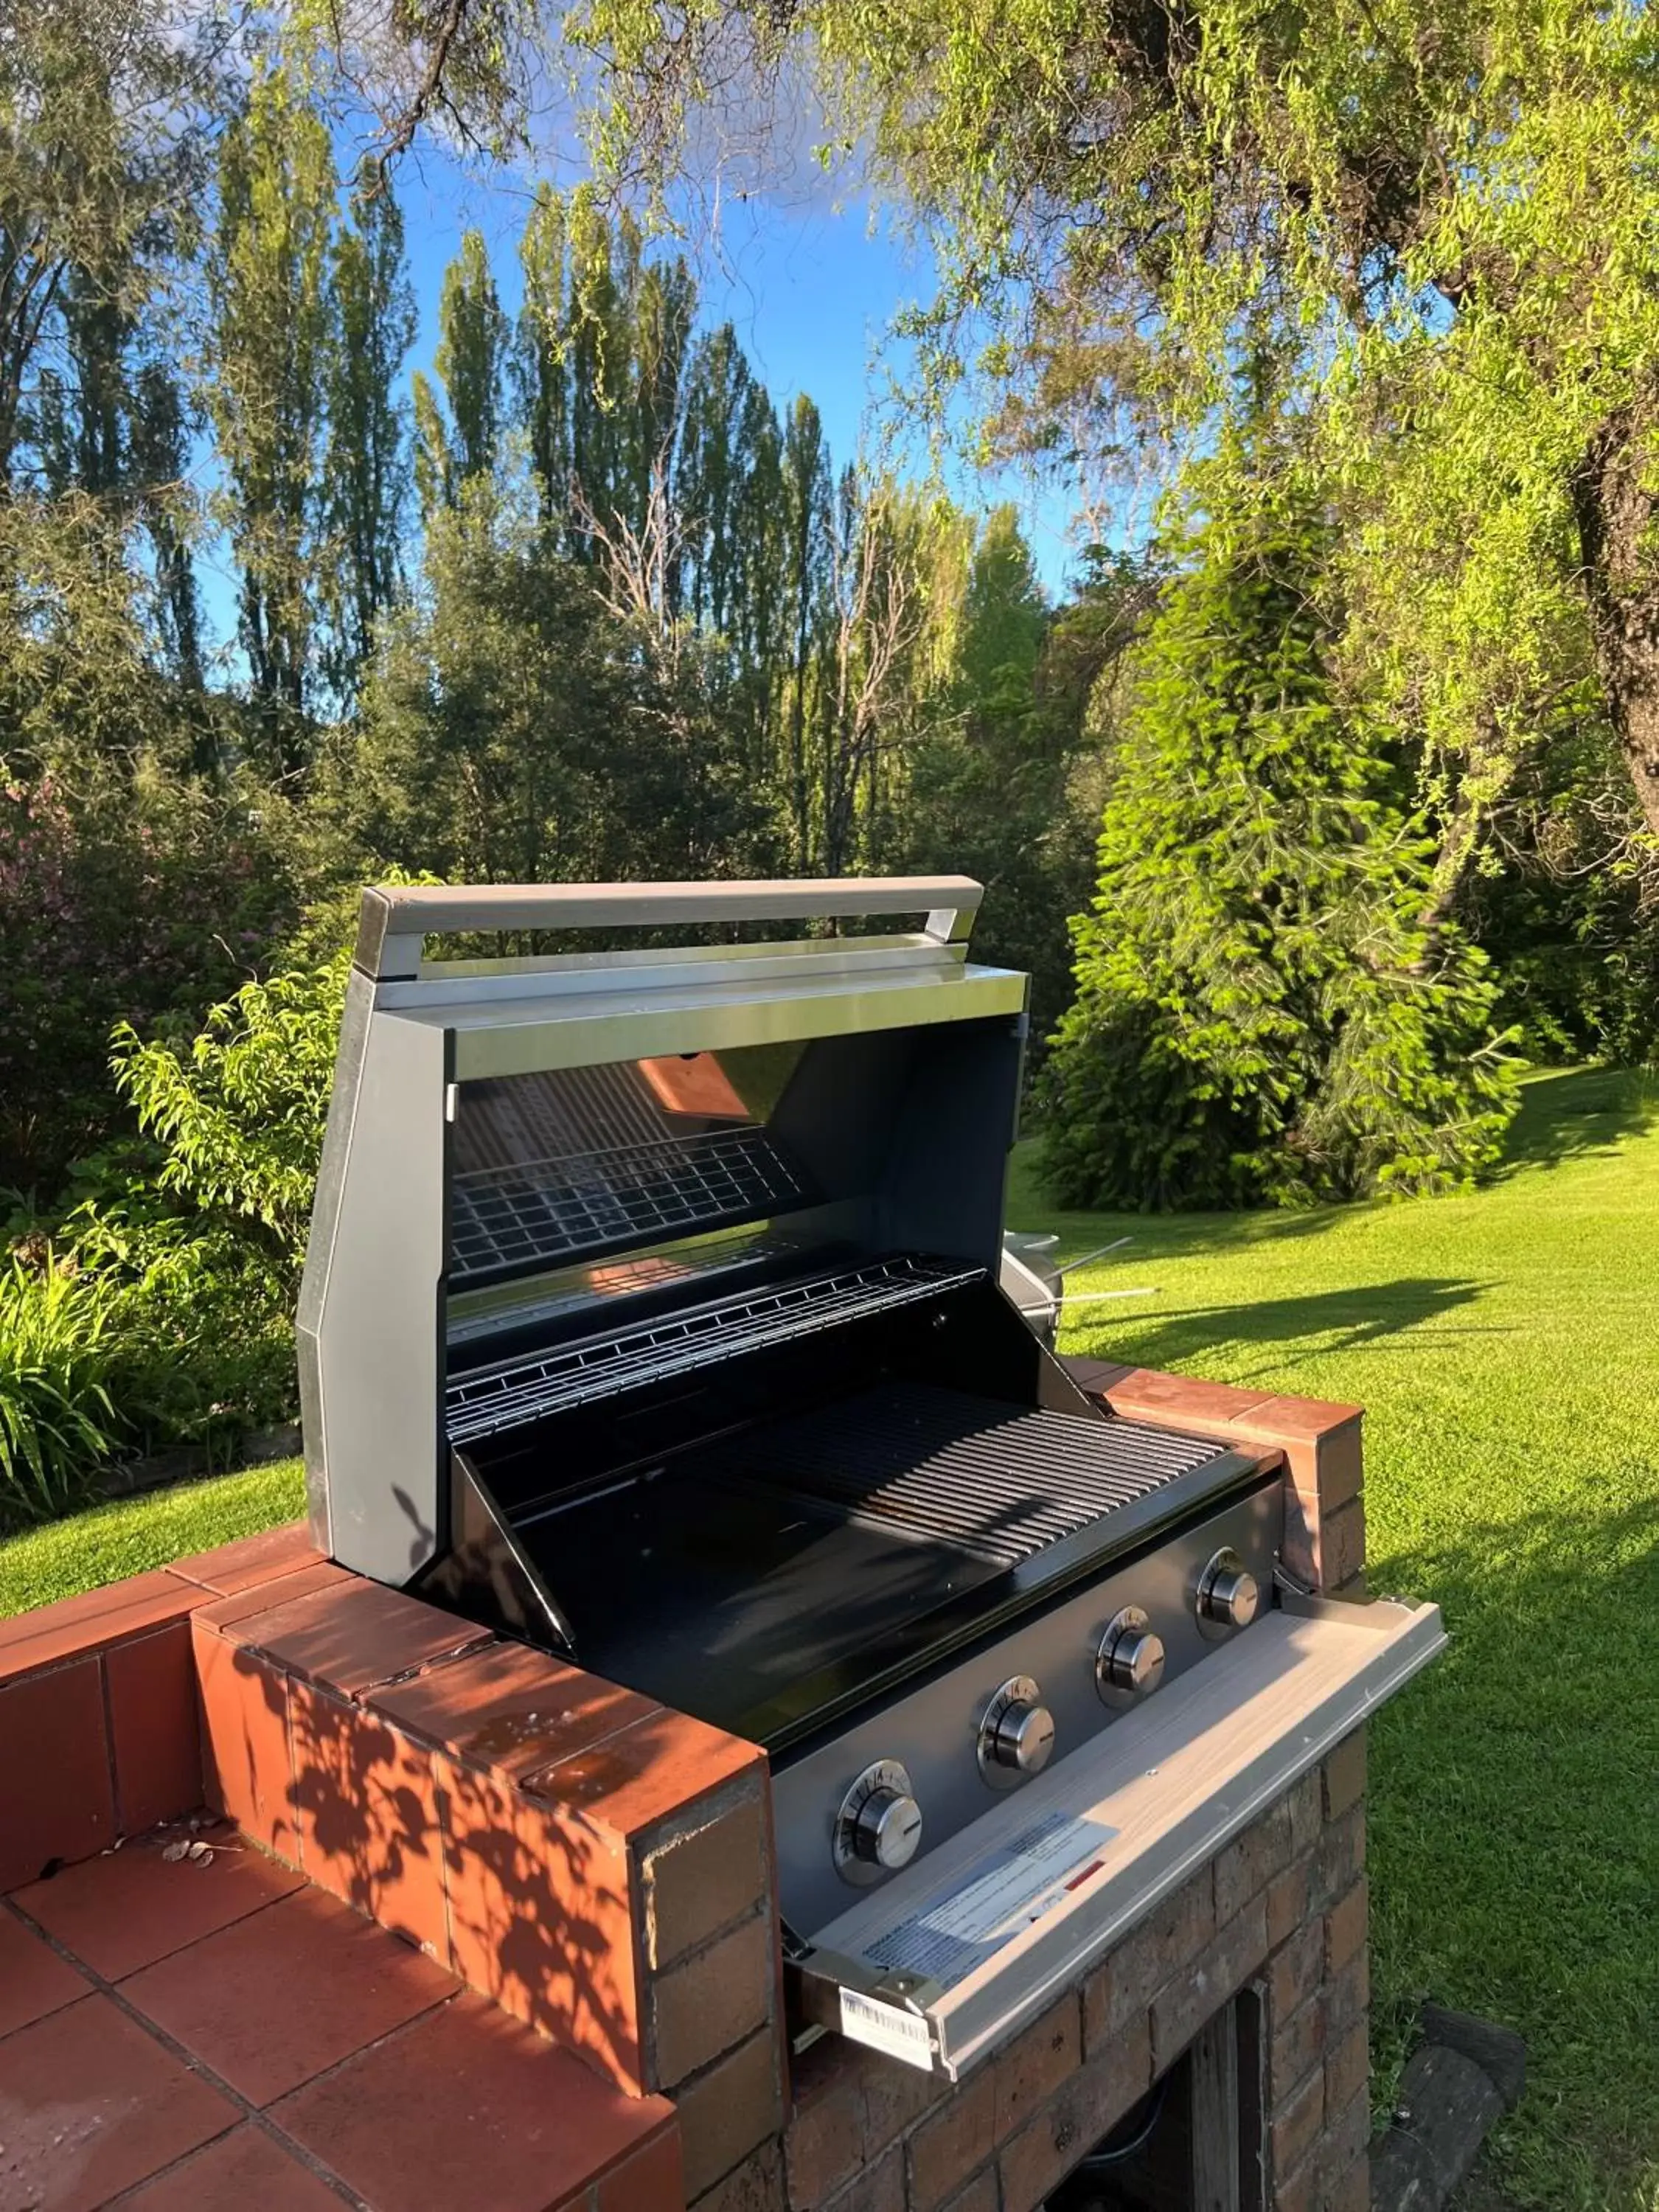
pixel 953 1934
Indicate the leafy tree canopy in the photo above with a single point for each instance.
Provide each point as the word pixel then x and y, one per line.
pixel 1431 231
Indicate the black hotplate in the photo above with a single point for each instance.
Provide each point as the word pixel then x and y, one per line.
pixel 769 1581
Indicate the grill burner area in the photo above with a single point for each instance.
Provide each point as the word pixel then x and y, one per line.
pixel 766 1578
pixel 1001 1482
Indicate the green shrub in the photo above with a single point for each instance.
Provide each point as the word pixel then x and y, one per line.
pixel 163 1314
pixel 1265 1011
pixel 57 1421
pixel 240 1110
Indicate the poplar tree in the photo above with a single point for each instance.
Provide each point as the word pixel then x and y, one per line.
pixel 459 440
pixel 371 329
pixel 266 382
pixel 541 357
pixel 806 503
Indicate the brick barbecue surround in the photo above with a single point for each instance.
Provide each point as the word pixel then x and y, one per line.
pixel 598 1869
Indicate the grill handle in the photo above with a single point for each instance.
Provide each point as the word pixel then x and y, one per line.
pixel 395 919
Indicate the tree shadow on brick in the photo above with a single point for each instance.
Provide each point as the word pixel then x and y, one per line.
pixel 525 1904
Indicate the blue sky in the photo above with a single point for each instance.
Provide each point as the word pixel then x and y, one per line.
pixel 810 287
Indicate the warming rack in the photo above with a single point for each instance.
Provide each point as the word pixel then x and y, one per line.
pixel 486 1400
pixel 535 1212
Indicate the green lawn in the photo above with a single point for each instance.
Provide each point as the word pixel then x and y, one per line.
pixel 1507 1348
pixel 126 1538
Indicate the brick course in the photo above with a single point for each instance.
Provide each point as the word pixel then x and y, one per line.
pixel 1259 1915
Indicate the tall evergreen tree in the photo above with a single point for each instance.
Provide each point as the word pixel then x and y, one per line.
pixel 159 461
pixel 106 116
pixel 541 361
pixel 808 526
pixel 266 380
pixel 472 357
pixel 709 477
pixel 1262 1012
pixel 373 327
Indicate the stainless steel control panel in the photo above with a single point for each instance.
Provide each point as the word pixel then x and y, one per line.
pixel 969 1739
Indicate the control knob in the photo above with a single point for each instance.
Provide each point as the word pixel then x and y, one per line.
pixel 878 1828
pixel 1228 1595
pixel 1015 1733
pixel 1129 1664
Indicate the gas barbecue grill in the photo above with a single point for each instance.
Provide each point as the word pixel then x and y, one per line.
pixel 657 1311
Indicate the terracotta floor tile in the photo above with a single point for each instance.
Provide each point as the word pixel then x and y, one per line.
pixel 251 1559
pixel 366 1805
pixel 127 1909
pixel 353 1634
pixel 54 1757
pixel 646 1771
pixel 510 1709
pixel 33 1979
pixel 157 1737
pixel 76 1624
pixel 243 2172
pixel 274 1999
pixel 467 2108
pixel 91 2104
pixel 247 1769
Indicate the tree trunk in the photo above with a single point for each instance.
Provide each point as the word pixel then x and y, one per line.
pixel 1615 495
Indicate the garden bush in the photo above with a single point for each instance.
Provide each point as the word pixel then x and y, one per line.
pixel 58 1423
pixel 1268 1010
pixel 155 1307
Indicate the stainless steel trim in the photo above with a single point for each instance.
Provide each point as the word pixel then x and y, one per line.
pixel 524 1035
pixel 1153 1797
pixel 470 982
pixel 395 919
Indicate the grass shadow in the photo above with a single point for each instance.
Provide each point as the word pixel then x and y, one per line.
pixel 1324 1321
pixel 1579 1112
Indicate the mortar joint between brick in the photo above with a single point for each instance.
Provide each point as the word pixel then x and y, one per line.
pixel 758 1909
pixel 116 1818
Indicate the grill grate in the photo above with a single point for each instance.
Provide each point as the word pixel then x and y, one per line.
pixel 486 1400
pixel 537 1211
pixel 997 1481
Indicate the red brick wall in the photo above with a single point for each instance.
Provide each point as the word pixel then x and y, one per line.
pixel 1280 1910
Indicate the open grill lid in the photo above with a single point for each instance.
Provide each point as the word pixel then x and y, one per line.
pixel 549 1180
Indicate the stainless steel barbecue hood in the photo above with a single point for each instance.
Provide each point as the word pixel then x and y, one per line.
pixel 543 1104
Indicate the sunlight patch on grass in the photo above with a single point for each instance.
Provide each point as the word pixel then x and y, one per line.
pixel 1505 1345
pixel 133 1533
